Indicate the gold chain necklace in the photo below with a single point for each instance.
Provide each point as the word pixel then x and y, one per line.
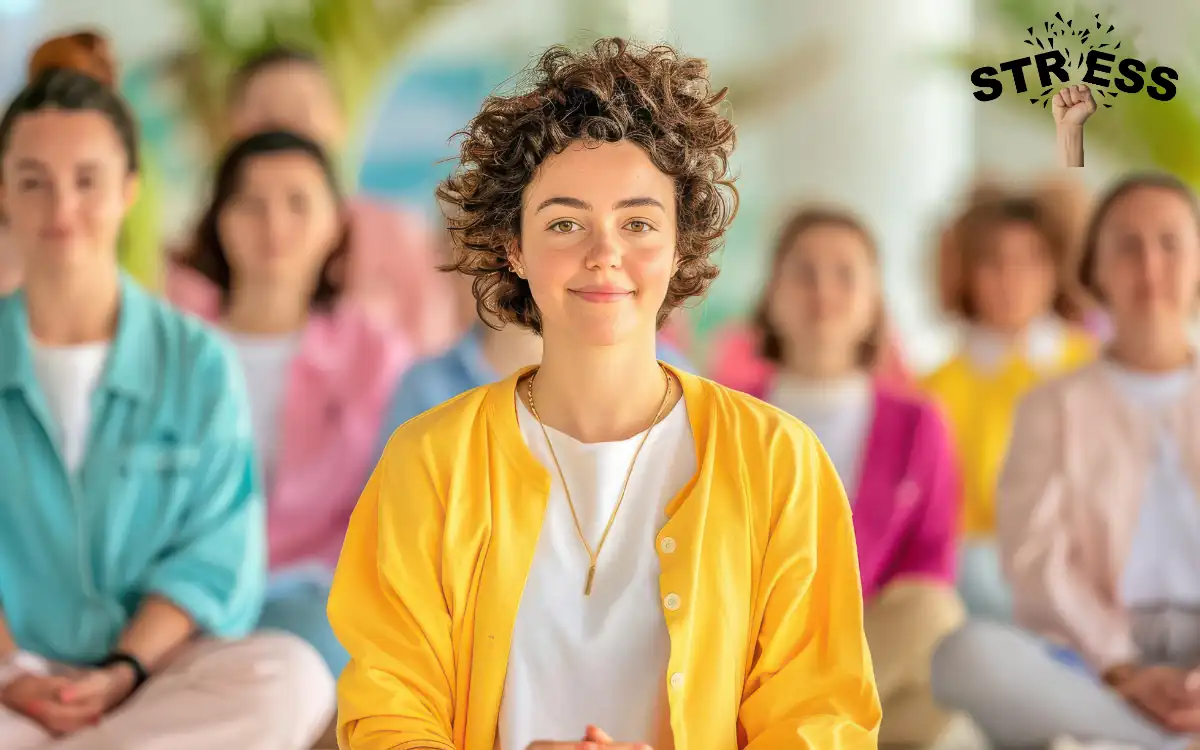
pixel 594 555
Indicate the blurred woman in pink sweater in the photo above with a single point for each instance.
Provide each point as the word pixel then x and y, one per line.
pixel 390 268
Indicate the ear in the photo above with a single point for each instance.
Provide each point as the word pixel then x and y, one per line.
pixel 516 260
pixel 133 188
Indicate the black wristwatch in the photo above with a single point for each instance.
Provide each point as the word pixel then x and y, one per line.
pixel 140 675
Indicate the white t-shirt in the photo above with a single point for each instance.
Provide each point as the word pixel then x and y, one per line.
pixel 1163 567
pixel 266 362
pixel 601 659
pixel 839 412
pixel 1041 345
pixel 69 376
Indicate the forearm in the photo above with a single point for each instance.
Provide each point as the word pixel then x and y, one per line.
pixel 1070 146
pixel 158 629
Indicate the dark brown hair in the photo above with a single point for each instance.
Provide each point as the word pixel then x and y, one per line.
pixel 800 222
pixel 1122 188
pixel 653 98
pixel 975 229
pixel 75 72
pixel 207 254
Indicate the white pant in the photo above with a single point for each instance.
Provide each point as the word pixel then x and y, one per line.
pixel 266 692
pixel 1023 693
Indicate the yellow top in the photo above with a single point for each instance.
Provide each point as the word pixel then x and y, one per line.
pixel 979 406
pixel 769 633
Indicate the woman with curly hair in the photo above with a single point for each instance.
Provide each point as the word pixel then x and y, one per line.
pixel 1001 279
pixel 602 546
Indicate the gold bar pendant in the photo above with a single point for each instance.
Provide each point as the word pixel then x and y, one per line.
pixel 587 590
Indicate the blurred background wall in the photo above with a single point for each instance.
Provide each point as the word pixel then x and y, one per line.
pixel 864 102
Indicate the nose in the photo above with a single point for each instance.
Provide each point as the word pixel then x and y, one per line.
pixel 65 206
pixel 605 250
pixel 274 227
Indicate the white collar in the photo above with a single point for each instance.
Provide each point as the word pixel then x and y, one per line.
pixel 1041 346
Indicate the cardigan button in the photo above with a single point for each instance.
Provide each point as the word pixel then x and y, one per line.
pixel 677 680
pixel 667 545
pixel 672 602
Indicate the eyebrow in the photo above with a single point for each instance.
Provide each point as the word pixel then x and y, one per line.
pixel 562 200
pixel 27 163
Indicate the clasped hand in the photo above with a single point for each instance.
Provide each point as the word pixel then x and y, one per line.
pixel 1169 696
pixel 594 739
pixel 64 704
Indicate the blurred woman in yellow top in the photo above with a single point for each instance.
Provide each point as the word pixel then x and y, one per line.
pixel 601 550
pixel 1008 290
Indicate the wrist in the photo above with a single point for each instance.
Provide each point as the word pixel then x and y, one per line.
pixel 123 677
pixel 20 663
pixel 121 665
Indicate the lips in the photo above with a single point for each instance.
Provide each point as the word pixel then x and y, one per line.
pixel 602 294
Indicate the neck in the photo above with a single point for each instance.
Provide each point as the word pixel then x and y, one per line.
pixel 75 308
pixel 1152 351
pixel 1009 334
pixel 510 348
pixel 10 268
pixel 600 394
pixel 266 309
pixel 811 363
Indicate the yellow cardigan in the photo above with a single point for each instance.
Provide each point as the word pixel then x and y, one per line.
pixel 769 634
pixel 980 407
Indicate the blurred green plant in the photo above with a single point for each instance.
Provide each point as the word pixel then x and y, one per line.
pixel 1138 130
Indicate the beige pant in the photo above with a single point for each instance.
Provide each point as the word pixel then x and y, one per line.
pixel 904 624
pixel 266 692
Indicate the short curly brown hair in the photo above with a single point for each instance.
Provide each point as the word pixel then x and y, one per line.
pixel 613 92
pixel 974 230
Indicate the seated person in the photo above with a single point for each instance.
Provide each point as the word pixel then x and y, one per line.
pixel 1001 278
pixel 1099 518
pixel 822 317
pixel 132 543
pixel 601 546
pixel 319 370
pixel 390 264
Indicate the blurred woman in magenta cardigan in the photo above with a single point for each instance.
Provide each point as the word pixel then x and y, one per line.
pixel 821 320
pixel 390 269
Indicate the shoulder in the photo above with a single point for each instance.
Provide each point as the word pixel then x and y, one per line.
pixel 946 375
pixel 381 222
pixel 918 413
pixel 199 382
pixel 744 425
pixel 360 343
pixel 1053 394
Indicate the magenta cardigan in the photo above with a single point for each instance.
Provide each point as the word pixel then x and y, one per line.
pixel 907 495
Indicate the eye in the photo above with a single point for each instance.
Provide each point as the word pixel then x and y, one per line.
pixel 639 226
pixel 84 182
pixel 27 184
pixel 563 226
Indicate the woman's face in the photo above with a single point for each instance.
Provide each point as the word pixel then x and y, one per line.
pixel 1147 262
pixel 293 96
pixel 825 296
pixel 1014 280
pixel 65 191
pixel 282 222
pixel 597 244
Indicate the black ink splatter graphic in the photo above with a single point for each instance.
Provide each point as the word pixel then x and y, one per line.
pixel 1074 42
